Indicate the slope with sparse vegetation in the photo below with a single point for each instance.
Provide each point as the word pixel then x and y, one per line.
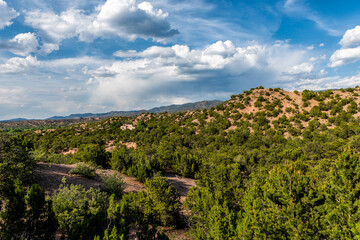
pixel 268 163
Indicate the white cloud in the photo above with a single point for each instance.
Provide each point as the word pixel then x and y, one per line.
pixel 315 59
pixel 310 47
pixel 46 90
pixel 344 56
pixel 321 45
pixel 125 54
pixel 322 83
pixel 127 19
pixel 22 44
pixel 19 65
pixel 6 14
pixel 142 78
pixel 153 77
pixel 350 50
pixel 303 68
pixel 54 28
pixel 11 97
pixel 323 72
pixel 122 18
pixel 351 38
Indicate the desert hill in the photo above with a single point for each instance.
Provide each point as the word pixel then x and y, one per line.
pixel 259 109
pixel 56 121
pixel 289 112
pixel 291 158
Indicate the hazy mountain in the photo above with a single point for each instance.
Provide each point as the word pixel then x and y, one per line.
pixel 170 108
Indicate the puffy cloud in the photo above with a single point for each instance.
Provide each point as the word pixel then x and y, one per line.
pixel 350 50
pixel 146 78
pixel 156 76
pixel 303 68
pixel 123 18
pixel 351 38
pixel 127 19
pixel 54 28
pixel 19 65
pixel 6 14
pixel 22 44
pixel 315 59
pixel 344 56
pixel 322 83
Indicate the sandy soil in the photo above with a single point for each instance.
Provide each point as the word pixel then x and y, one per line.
pixel 49 177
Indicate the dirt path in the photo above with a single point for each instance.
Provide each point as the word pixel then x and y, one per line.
pixel 181 184
pixel 49 176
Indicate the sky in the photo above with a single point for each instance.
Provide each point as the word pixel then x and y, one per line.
pixel 79 56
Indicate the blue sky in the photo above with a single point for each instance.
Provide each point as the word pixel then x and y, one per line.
pixel 63 57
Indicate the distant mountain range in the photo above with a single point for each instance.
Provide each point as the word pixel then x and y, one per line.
pixel 170 108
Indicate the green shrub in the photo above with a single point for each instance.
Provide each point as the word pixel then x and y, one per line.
pixel 26 215
pixel 15 161
pixel 81 213
pixel 84 170
pixel 113 184
pixel 92 153
pixel 164 200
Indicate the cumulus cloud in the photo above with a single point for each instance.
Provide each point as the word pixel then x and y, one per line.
pixel 156 76
pixel 303 68
pixel 22 44
pixel 6 14
pixel 127 19
pixel 344 56
pixel 323 82
pixel 351 38
pixel 122 18
pixel 143 78
pixel 19 65
pixel 350 50
pixel 54 28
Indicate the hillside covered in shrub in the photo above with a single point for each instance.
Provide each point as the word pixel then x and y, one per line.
pixel 268 164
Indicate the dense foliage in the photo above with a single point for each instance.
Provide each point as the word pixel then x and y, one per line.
pixel 269 164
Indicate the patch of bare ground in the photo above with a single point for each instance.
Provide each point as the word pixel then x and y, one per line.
pixel 111 145
pixel 49 176
pixel 69 151
pixel 177 234
pixel 181 184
